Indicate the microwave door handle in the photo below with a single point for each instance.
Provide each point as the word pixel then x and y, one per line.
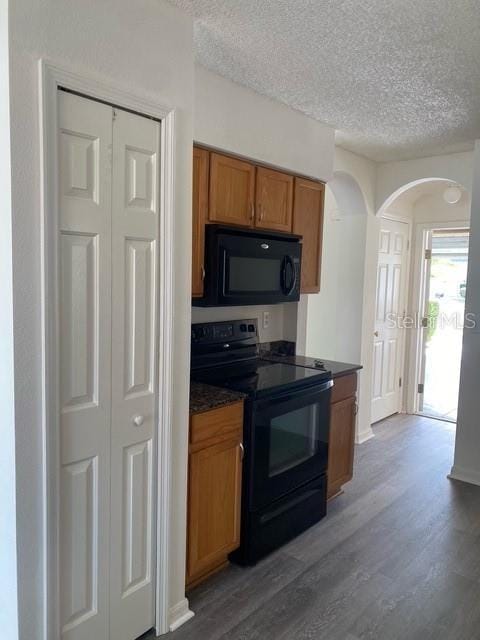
pixel 288 288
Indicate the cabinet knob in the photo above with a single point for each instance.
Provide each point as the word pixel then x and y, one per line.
pixel 242 451
pixel 252 211
pixel 138 421
pixel 202 268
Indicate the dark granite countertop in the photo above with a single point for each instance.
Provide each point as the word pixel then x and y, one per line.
pixel 204 397
pixel 338 369
pixel 341 368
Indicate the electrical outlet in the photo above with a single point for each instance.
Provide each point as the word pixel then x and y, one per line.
pixel 266 319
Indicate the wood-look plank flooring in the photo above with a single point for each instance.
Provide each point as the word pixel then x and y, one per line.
pixel 397 557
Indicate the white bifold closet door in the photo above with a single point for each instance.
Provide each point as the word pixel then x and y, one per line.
pixel 108 276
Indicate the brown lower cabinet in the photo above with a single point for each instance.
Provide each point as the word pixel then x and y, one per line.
pixel 214 490
pixel 342 433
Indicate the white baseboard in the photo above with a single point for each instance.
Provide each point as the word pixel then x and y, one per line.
pixel 465 475
pixel 360 438
pixel 179 614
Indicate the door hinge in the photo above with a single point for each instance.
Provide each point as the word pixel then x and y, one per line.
pixel 421 387
pixel 424 323
pixel 428 254
pixel 408 245
pixel 114 114
pixel 399 382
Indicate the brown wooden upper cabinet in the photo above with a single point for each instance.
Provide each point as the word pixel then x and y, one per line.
pixel 232 190
pixel 238 192
pixel 199 217
pixel 273 200
pixel 308 222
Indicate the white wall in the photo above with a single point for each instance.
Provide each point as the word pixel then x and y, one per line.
pixel 334 314
pixel 391 176
pixel 432 207
pixel 145 47
pixel 236 119
pixel 424 204
pixel 337 322
pixel 282 324
pixel 8 541
pixel 467 444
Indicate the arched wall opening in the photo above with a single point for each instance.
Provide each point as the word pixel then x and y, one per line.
pixel 421 202
pixel 425 191
pixel 411 192
pixel 332 318
pixel 348 194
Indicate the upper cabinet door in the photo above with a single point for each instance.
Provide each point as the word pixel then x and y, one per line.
pixel 232 188
pixel 273 201
pixel 199 218
pixel 308 222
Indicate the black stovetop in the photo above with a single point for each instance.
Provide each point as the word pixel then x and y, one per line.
pixel 226 354
pixel 259 377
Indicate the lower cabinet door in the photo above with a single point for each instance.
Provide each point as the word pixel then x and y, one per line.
pixel 341 444
pixel 214 501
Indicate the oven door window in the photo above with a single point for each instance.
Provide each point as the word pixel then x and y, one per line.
pixel 293 439
pixel 289 440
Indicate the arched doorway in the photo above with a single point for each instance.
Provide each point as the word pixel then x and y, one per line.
pixel 431 320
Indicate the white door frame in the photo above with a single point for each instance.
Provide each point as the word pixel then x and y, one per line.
pixel 51 78
pixel 403 347
pixel 417 305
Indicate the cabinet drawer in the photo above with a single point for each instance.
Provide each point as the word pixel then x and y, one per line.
pixel 344 387
pixel 217 423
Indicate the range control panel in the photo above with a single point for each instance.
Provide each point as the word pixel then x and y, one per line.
pixel 212 332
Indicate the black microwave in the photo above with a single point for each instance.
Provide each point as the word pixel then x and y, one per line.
pixel 246 267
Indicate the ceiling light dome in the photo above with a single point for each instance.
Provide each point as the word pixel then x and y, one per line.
pixel 452 194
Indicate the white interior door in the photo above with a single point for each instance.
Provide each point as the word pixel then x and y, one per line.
pixel 108 199
pixel 85 136
pixel 134 337
pixel 388 343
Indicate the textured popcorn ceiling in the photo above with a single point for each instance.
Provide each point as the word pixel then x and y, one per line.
pixel 397 78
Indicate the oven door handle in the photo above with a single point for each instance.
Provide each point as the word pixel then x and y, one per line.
pixel 310 392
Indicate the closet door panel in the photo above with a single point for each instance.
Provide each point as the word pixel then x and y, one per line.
pixel 139 336
pixel 135 225
pixel 84 314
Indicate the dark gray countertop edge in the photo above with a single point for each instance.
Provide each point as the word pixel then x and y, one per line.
pixel 343 368
pixel 205 397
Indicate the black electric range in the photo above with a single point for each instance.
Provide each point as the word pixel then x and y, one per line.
pixel 286 430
